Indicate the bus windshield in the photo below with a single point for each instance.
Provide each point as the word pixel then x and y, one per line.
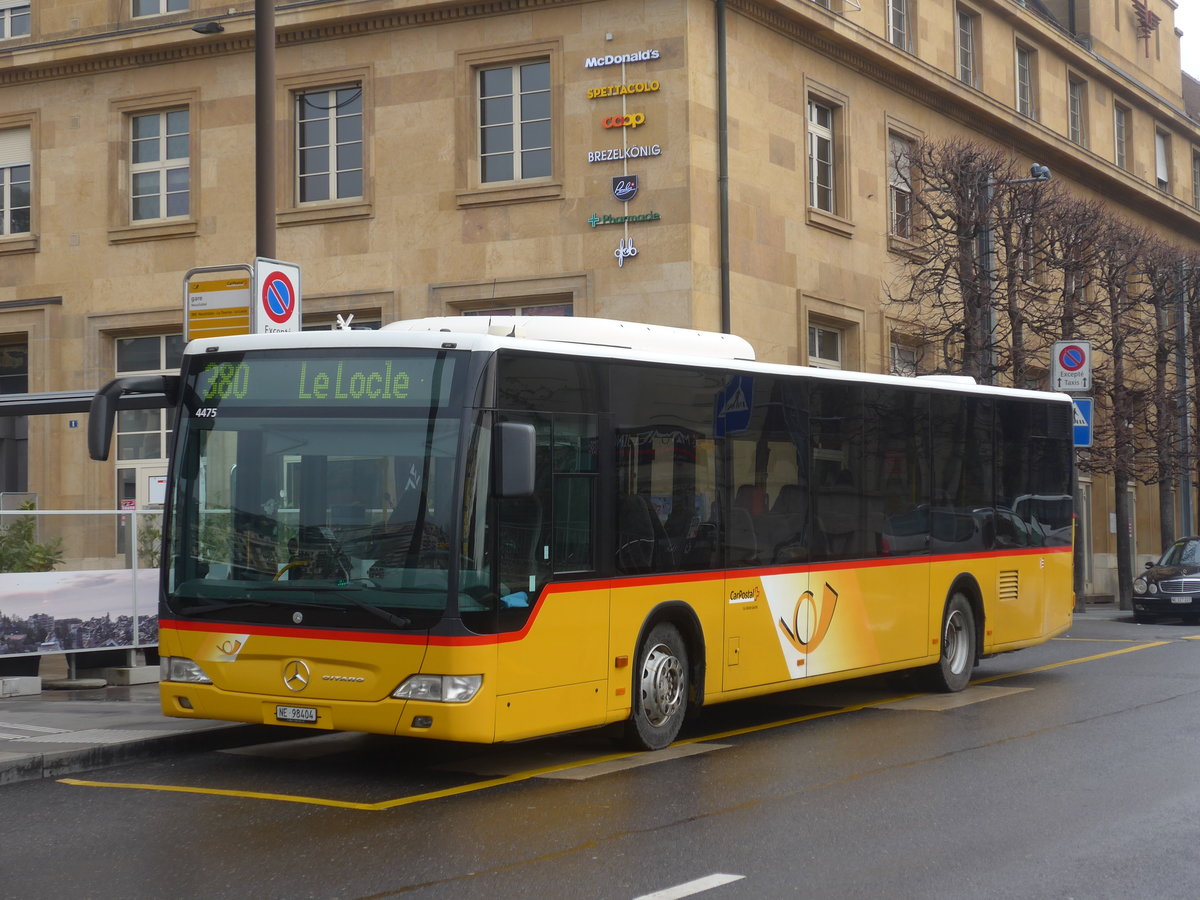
pixel 316 488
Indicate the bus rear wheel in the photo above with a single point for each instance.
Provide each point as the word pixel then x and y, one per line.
pixel 660 689
pixel 952 672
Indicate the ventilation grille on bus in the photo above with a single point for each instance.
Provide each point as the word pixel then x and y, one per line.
pixel 1009 587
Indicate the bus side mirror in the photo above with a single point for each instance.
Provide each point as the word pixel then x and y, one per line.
pixel 105 400
pixel 516 443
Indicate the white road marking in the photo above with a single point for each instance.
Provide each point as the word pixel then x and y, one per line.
pixel 679 751
pixel 939 702
pixel 39 728
pixel 707 883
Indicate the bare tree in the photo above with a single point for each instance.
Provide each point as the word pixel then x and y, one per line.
pixel 1122 399
pixel 1073 229
pixel 946 291
pixel 1190 286
pixel 1023 246
pixel 1160 447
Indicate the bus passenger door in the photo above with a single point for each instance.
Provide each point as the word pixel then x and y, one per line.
pixel 552 669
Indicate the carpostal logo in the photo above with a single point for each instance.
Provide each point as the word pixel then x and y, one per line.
pixel 810 620
pixel 598 62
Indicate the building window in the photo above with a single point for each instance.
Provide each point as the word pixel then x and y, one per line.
pixel 1077 111
pixel 158 7
pixel 1196 178
pixel 904 359
pixel 1026 82
pixel 821 186
pixel 329 144
pixel 968 24
pixel 551 309
pixel 1121 136
pixel 14 19
pixel 898 24
pixel 14 430
pixel 14 181
pixel 159 174
pixel 824 347
pixel 900 187
pixel 144 433
pixel 1162 160
pixel 514 122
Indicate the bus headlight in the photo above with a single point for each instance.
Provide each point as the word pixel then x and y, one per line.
pixel 439 688
pixel 179 668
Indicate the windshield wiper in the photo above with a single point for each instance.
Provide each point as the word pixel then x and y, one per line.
pixel 243 602
pixel 345 594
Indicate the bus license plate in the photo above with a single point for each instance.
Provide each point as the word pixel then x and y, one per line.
pixel 305 714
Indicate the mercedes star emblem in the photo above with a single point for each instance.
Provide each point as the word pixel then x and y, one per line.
pixel 296 675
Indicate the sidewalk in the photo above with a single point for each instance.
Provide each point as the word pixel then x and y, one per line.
pixel 62 732
pixel 57 733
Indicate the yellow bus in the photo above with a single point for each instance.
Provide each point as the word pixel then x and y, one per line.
pixel 490 528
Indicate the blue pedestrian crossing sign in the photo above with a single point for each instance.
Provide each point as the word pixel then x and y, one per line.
pixel 1082 409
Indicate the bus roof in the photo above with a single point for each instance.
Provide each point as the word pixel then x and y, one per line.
pixel 589 337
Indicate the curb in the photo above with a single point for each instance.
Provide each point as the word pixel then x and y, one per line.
pixel 60 763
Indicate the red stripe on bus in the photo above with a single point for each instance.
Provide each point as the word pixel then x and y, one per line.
pixel 568 587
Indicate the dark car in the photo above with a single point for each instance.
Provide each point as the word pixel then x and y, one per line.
pixel 1171 586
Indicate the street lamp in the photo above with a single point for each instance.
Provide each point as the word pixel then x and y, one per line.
pixel 264 122
pixel 987 256
pixel 264 128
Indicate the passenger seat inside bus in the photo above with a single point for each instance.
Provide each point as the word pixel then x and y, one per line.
pixel 748 526
pixel 642 541
pixel 789 525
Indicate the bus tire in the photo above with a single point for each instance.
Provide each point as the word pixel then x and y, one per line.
pixel 660 689
pixel 956 660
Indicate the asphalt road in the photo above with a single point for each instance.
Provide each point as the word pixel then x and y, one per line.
pixel 1065 771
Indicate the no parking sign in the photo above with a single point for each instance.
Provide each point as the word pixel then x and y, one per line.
pixel 1071 366
pixel 275 305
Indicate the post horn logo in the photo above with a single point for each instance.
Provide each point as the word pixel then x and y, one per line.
pixel 822 617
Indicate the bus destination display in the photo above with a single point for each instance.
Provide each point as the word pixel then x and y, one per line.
pixel 354 380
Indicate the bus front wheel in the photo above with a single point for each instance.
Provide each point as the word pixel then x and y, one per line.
pixel 660 689
pixel 953 669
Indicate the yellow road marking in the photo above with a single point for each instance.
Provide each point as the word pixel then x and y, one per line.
pixel 549 770
pixel 1072 662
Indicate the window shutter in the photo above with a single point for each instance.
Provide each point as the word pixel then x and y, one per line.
pixel 14 145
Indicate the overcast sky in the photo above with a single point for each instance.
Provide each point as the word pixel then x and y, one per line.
pixel 1187 20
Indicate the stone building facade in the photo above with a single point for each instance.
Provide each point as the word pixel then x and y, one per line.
pixel 445 158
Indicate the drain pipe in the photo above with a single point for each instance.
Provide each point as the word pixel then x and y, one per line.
pixel 723 170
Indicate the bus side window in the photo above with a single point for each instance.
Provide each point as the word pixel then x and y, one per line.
pixel 666 468
pixel 575 462
pixel 523 530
